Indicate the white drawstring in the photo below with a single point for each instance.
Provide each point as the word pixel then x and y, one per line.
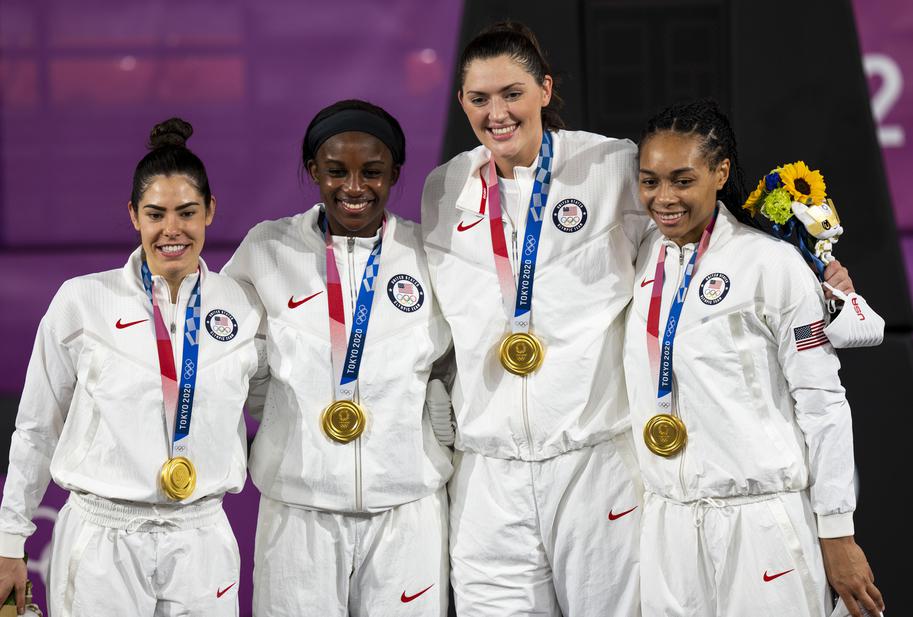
pixel 699 508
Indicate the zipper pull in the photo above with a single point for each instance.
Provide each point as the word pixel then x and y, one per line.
pixel 173 329
pixel 681 256
pixel 350 243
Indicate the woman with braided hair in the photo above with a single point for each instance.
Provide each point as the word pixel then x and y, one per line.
pixel 743 432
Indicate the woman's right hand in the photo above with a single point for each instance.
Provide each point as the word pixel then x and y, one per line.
pixel 12 576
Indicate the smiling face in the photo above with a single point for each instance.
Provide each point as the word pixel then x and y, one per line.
pixel 677 185
pixel 354 172
pixel 503 103
pixel 171 218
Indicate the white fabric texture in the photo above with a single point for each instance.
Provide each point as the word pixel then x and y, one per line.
pixel 91 415
pixel 322 564
pixel 756 388
pixel 111 560
pixel 546 538
pixel 857 324
pixel 757 557
pixel 397 459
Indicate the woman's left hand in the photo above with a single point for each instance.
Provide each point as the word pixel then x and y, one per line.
pixel 838 277
pixel 848 572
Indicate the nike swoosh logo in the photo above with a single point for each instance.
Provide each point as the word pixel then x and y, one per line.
pixel 462 227
pixel 645 282
pixel 121 326
pixel 404 598
pixel 292 304
pixel 613 517
pixel 221 592
pixel 768 578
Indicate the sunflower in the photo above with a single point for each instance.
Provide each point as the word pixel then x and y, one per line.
pixel 751 204
pixel 804 185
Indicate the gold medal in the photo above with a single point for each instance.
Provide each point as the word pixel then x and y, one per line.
pixel 665 434
pixel 343 421
pixel 521 353
pixel 179 478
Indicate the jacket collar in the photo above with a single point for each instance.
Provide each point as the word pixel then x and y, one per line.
pixel 133 273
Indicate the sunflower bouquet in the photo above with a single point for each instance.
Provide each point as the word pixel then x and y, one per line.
pixel 791 193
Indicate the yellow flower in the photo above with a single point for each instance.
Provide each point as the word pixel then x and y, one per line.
pixel 804 185
pixel 751 204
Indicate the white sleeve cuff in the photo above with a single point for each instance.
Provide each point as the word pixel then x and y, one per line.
pixel 12 545
pixel 835 525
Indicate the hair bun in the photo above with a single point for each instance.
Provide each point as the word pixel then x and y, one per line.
pixel 172 132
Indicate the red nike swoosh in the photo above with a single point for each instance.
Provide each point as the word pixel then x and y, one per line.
pixel 221 592
pixel 292 304
pixel 404 598
pixel 121 326
pixel 768 578
pixel 613 517
pixel 645 282
pixel 461 227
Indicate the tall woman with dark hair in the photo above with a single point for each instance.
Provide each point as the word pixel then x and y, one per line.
pixel 544 501
pixel 350 462
pixel 133 402
pixel 743 431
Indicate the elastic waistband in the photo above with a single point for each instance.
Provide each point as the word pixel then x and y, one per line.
pixel 720 502
pixel 133 516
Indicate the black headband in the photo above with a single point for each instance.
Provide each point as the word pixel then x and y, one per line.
pixel 355 120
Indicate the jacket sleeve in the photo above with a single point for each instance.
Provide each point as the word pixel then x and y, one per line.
pixel 810 366
pixel 49 385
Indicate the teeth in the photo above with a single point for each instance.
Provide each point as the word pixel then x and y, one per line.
pixel 353 206
pixel 504 130
pixel 668 217
pixel 172 248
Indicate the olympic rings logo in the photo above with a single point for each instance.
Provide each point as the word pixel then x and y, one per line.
pixel 222 330
pixel 361 315
pixel 530 245
pixel 407 299
pixel 569 221
pixel 189 368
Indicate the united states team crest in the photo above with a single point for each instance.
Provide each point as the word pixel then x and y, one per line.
pixel 714 288
pixel 221 325
pixel 569 215
pixel 405 293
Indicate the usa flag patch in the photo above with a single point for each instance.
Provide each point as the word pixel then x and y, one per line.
pixel 809 336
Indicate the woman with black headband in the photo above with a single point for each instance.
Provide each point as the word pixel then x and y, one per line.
pixel 350 465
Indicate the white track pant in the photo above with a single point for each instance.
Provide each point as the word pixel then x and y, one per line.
pixel 553 537
pixel 112 559
pixel 324 564
pixel 756 556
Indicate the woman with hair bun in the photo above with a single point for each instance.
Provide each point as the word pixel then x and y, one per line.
pixel 133 402
pixel 350 461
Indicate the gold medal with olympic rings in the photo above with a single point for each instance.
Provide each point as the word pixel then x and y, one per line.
pixel 179 478
pixel 343 421
pixel 665 434
pixel 521 353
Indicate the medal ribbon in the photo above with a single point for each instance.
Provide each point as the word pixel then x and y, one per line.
pixel 347 359
pixel 178 401
pixel 661 358
pixel 520 294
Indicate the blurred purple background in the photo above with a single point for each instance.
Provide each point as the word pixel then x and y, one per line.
pixel 81 84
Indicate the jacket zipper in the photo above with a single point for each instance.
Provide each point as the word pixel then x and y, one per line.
pixel 353 295
pixel 523 379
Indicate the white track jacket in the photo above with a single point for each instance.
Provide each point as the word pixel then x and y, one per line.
pixel 397 459
pixel 91 414
pixel 754 382
pixel 583 280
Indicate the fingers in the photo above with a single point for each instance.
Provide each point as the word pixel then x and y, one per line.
pixel 20 597
pixel 877 598
pixel 838 276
